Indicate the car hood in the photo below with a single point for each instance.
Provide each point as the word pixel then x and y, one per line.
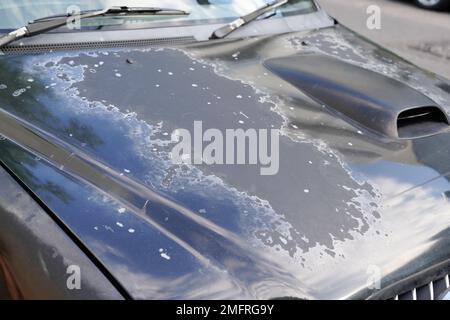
pixel 90 133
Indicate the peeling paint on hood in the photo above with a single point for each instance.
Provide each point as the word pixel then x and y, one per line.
pixel 203 231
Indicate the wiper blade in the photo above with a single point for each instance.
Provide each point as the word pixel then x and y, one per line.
pixel 43 25
pixel 244 20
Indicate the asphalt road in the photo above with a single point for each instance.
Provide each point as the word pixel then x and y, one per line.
pixel 420 36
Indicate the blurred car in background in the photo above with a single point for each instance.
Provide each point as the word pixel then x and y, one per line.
pixel 433 4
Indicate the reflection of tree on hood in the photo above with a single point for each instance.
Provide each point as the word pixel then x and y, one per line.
pixel 21 163
pixel 29 107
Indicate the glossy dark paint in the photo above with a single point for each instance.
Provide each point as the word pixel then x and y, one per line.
pixel 91 138
pixel 35 253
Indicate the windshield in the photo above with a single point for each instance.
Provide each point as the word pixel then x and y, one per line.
pixel 16 13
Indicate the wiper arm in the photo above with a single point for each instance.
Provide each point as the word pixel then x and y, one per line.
pixel 244 20
pixel 53 22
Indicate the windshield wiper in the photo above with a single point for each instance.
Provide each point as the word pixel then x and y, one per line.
pixel 244 20
pixel 53 22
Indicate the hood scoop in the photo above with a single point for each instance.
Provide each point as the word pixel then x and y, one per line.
pixel 372 100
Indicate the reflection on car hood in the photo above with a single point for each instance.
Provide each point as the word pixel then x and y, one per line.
pixel 90 134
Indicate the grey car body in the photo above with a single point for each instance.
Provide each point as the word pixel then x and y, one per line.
pixel 87 178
